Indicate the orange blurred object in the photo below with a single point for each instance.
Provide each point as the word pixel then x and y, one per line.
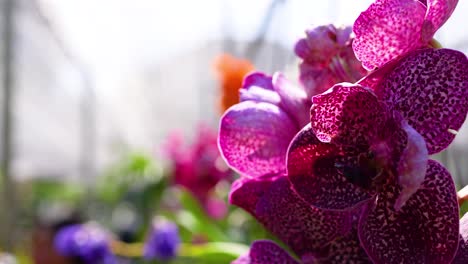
pixel 231 72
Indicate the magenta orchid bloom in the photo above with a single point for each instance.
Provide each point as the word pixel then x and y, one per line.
pixel 327 58
pixel 199 167
pixel 255 134
pixel 254 138
pixel 361 170
pixel 390 28
pixel 367 147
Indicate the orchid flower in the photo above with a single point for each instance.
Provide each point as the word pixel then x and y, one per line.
pixel 327 58
pixel 255 134
pixel 391 28
pixel 367 147
pixel 199 167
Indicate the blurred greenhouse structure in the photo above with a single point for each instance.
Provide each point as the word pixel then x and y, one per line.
pixel 93 82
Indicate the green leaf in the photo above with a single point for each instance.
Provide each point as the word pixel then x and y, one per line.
pixel 214 252
pixel 194 219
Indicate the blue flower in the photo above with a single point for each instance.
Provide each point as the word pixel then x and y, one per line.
pixel 85 241
pixel 163 241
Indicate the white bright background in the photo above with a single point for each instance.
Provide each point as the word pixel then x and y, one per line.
pixel 150 65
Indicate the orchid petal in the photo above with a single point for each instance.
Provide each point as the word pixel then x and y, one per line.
pixel 265 252
pixel 346 249
pixel 314 176
pixel 412 166
pixel 245 192
pixel 254 138
pixel 293 100
pixel 315 78
pixel 302 227
pixel 258 79
pixel 327 58
pixel 425 230
pixel 347 114
pixel 386 30
pixel 438 11
pixel 429 88
pixel 462 252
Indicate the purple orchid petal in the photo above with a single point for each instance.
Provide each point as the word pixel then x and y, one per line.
pixel 302 227
pixel 327 58
pixel 387 29
pixel 438 11
pixel 258 87
pixel 254 138
pixel 462 252
pixel 347 114
pixel 425 230
pixel 316 78
pixel 412 165
pixel 293 99
pixel 346 249
pixel 258 79
pixel 265 252
pixel 429 88
pixel 315 176
pixel 259 94
pixel 245 192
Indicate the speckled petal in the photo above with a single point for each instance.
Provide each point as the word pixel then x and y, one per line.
pixel 425 230
pixel 302 227
pixel 462 252
pixel 387 29
pixel 438 11
pixel 429 88
pixel 346 249
pixel 347 114
pixel 315 177
pixel 245 192
pixel 265 252
pixel 254 138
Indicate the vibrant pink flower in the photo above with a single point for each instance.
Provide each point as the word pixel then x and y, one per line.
pixel 390 28
pixel 254 134
pixel 199 167
pixel 327 58
pixel 368 148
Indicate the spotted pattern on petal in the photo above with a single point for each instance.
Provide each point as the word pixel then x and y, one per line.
pixel 387 29
pixel 438 11
pixel 254 138
pixel 265 252
pixel 347 115
pixel 313 172
pixel 302 227
pixel 245 192
pixel 425 230
pixel 346 249
pixel 429 88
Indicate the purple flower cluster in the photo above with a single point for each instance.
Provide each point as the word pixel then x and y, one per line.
pixel 351 181
pixel 162 242
pixel 87 242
